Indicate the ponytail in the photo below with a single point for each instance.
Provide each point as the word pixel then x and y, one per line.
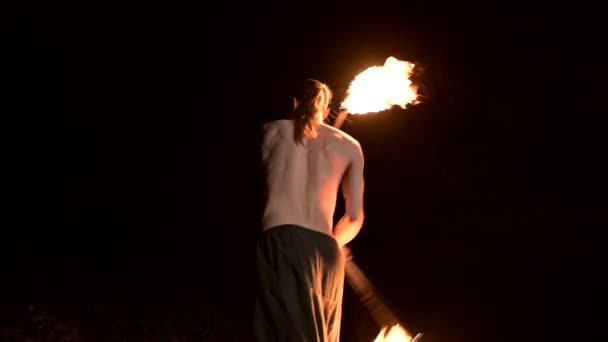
pixel 305 112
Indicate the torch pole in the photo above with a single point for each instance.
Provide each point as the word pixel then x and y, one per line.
pixel 340 118
pixel 366 292
pixel 362 286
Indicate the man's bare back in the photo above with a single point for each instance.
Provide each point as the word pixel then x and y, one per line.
pixel 300 256
pixel 303 180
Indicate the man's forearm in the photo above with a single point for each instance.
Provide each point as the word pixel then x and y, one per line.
pixel 347 228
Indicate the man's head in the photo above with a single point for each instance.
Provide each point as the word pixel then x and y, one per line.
pixel 310 108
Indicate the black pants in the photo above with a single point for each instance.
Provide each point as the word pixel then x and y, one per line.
pixel 300 286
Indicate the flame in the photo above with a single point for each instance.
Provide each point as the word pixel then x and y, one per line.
pixel 394 333
pixel 380 87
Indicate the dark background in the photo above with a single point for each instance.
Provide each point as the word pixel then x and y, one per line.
pixel 148 200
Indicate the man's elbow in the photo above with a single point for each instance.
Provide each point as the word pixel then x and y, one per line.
pixel 357 216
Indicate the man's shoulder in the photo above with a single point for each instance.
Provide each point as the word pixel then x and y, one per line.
pixel 276 124
pixel 342 136
pixel 273 130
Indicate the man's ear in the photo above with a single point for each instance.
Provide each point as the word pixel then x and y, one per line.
pixel 326 114
pixel 295 103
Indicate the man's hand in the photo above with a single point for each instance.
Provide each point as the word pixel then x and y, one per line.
pixel 348 255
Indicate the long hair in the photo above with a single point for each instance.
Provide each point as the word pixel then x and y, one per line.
pixel 308 99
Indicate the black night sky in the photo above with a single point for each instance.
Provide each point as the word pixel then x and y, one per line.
pixel 150 201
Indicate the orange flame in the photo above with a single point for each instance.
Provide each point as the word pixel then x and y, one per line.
pixel 394 333
pixel 380 87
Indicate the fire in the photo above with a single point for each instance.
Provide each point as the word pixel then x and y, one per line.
pixel 393 334
pixel 380 87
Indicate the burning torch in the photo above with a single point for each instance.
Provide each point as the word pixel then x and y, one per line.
pixel 375 89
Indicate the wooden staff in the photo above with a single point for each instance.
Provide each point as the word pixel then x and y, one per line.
pixel 362 286
pixel 340 118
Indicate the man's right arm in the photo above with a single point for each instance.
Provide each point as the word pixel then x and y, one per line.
pixel 352 189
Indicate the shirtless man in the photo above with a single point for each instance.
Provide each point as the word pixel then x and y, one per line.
pixel 299 255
